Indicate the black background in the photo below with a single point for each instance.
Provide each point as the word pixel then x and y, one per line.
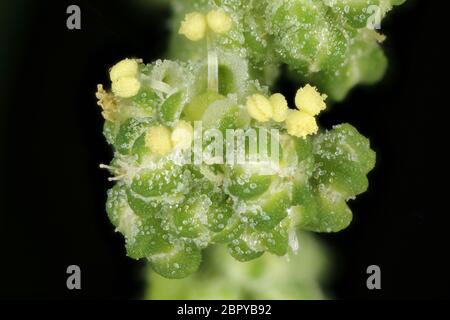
pixel 53 194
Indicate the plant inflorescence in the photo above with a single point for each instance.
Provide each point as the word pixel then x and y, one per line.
pixel 206 154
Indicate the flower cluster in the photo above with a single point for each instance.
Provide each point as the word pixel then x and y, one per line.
pixel 169 212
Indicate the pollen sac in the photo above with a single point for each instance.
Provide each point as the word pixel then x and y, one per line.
pixel 194 26
pixel 219 21
pixel 124 69
pixel 126 87
pixel 182 135
pixel 301 124
pixel 259 108
pixel 194 167
pixel 279 107
pixel 158 140
pixel 310 101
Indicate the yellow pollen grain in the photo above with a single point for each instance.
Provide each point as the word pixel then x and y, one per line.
pixel 127 68
pixel 219 21
pixel 301 124
pixel 279 107
pixel 182 135
pixel 259 108
pixel 158 139
pixel 309 100
pixel 126 87
pixel 193 26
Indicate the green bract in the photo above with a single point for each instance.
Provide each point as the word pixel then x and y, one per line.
pixel 170 210
pixel 330 43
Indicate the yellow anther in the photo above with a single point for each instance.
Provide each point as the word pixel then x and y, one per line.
pixel 301 124
pixel 194 26
pixel 309 100
pixel 219 21
pixel 158 140
pixel 126 87
pixel 279 107
pixel 182 135
pixel 127 68
pixel 259 108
